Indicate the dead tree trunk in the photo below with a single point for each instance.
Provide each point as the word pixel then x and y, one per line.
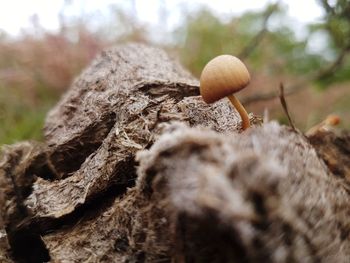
pixel 136 168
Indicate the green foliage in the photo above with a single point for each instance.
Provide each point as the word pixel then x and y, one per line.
pixel 342 74
pixel 34 71
pixel 25 124
pixel 336 24
pixel 279 52
pixel 205 37
pixel 19 118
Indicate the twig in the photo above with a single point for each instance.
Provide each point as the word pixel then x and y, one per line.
pixel 327 7
pixel 320 75
pixel 254 42
pixel 337 63
pixel 274 94
pixel 285 107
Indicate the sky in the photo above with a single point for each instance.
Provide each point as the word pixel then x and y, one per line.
pixel 15 14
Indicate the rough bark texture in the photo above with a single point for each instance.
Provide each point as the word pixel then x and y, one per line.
pixel 136 168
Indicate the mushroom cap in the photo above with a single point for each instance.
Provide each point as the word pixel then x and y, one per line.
pixel 332 120
pixel 223 76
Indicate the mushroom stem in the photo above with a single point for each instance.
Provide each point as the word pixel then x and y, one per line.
pixel 241 110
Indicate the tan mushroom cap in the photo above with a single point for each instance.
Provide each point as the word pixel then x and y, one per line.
pixel 223 76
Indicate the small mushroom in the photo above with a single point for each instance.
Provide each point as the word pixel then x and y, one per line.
pixel 222 77
pixel 326 125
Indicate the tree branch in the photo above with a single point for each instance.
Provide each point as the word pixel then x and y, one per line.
pixel 328 8
pixel 331 68
pixel 320 75
pixel 254 42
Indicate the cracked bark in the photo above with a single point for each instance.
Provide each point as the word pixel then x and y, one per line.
pixel 198 190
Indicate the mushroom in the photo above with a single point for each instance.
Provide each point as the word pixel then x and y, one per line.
pixel 328 124
pixel 222 77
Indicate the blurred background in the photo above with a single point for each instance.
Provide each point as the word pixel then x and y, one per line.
pixel 305 45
